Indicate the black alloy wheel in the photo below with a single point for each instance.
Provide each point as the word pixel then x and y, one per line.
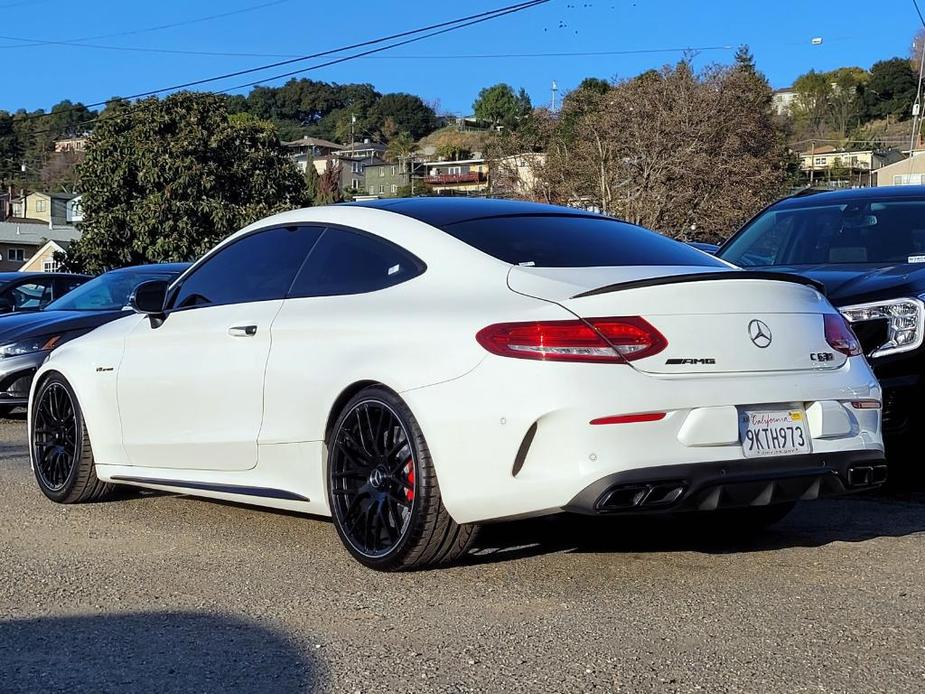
pixel 62 459
pixel 54 437
pixel 383 491
pixel 372 474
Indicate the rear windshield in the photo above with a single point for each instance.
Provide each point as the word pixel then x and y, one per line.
pixel 571 241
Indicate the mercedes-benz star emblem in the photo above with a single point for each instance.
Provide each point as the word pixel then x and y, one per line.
pixel 760 333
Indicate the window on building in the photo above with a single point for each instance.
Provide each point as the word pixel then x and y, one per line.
pixel 908 179
pixel 394 188
pixel 820 161
pixel 355 184
pixel 15 255
pixel 50 266
pixel 382 188
pixel 394 170
pixel 381 172
pixel 455 170
pixel 40 206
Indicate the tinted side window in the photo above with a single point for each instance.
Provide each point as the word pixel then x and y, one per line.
pixel 346 262
pixel 30 295
pixel 573 241
pixel 258 267
pixel 65 284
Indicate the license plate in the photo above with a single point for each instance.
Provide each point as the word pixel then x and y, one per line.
pixel 773 432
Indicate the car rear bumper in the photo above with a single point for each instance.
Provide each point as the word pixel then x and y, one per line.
pixel 721 485
pixel 515 438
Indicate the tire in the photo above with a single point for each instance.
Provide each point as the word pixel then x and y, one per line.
pixel 62 458
pixel 383 491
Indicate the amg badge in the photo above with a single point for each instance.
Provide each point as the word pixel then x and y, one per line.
pixel 676 362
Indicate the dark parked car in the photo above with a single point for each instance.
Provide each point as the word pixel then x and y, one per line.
pixel 867 247
pixel 26 339
pixel 33 291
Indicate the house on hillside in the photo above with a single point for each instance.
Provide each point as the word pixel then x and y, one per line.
pixel 782 100
pixel 362 150
pixel 468 177
pixel 71 144
pixel 386 179
pixel 908 172
pixel 352 170
pixel 845 168
pixel 307 149
pixel 50 208
pixel 32 245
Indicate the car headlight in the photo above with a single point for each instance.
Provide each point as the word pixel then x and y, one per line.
pixel 904 320
pixel 42 343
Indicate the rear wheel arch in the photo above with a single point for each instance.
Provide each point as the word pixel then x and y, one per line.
pixel 341 401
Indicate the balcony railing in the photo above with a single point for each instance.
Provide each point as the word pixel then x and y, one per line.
pixel 444 179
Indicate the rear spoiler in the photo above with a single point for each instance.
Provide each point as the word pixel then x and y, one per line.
pixel 706 277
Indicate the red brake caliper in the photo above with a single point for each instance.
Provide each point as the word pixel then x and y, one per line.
pixel 409 473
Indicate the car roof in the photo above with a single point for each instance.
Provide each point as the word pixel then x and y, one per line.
pixel 442 211
pixel 12 276
pixel 808 198
pixel 165 267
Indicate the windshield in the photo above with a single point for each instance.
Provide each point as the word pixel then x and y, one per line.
pixel 879 232
pixel 573 241
pixel 108 292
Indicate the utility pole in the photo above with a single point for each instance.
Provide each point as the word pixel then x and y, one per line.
pixel 812 162
pixel 555 94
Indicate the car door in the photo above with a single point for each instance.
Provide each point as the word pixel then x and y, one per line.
pixel 190 388
pixel 319 334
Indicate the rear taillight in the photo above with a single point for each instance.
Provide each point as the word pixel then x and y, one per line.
pixel 840 336
pixel 601 340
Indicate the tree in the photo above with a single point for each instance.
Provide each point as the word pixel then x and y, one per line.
pixel 312 182
pixel 329 191
pixel 501 106
pixel 167 179
pixel 844 106
pixel 811 105
pixel 407 112
pixel 400 147
pixel 691 155
pixel 890 92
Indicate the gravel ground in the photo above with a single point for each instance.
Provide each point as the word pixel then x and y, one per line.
pixel 161 593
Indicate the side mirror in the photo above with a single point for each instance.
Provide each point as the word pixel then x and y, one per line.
pixel 149 297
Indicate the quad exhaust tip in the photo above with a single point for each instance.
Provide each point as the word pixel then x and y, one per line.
pixel 649 495
pixel 866 475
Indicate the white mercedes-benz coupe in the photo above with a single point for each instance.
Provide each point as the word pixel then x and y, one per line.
pixel 415 367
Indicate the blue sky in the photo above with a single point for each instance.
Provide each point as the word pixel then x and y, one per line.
pixel 779 33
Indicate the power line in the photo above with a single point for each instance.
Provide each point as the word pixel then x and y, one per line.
pixel 145 30
pixel 918 12
pixel 457 56
pixel 451 25
pixel 446 27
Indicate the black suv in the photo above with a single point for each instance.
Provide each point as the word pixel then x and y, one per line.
pixel 867 246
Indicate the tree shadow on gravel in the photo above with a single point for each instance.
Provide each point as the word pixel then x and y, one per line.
pixel 812 524
pixel 150 652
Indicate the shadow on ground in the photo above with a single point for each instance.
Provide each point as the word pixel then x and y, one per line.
pixel 812 524
pixel 150 652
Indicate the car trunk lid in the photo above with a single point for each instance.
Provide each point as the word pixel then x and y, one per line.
pixel 714 322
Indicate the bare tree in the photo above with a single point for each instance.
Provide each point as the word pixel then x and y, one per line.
pixel 691 155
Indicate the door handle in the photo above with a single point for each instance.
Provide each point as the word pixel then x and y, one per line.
pixel 242 330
